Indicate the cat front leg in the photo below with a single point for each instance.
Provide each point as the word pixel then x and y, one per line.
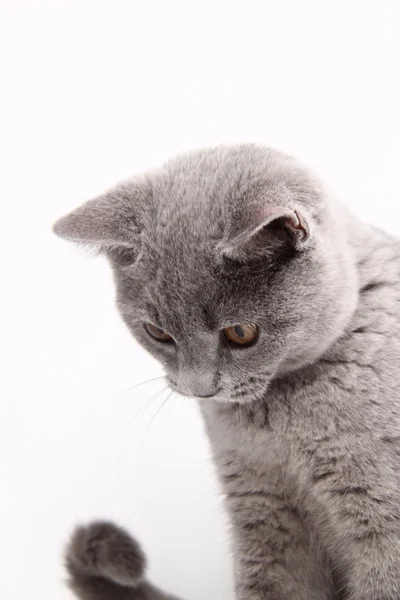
pixel 369 551
pixel 362 523
pixel 273 556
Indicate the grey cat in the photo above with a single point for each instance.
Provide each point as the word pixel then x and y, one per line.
pixel 264 297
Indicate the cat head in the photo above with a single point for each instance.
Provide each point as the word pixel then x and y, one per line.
pixel 229 267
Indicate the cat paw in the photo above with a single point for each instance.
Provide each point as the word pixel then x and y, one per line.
pixel 102 549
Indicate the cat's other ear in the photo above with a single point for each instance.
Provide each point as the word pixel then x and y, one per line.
pixel 267 229
pixel 110 222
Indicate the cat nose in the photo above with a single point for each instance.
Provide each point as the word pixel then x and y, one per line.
pixel 199 384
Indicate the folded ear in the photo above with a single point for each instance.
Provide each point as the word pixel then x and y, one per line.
pixel 111 222
pixel 266 229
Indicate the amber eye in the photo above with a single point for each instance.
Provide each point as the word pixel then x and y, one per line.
pixel 241 334
pixel 157 333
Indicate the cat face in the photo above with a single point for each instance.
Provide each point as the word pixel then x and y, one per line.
pixel 227 267
pixel 186 305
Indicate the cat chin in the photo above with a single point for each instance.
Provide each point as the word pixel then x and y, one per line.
pixel 242 402
pixel 220 398
pixel 216 398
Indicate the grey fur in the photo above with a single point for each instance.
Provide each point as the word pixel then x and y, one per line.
pixel 304 424
pixel 105 563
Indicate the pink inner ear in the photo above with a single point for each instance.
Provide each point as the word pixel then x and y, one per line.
pixel 292 219
pixel 296 224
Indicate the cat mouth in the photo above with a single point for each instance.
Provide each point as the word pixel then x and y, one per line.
pixel 214 395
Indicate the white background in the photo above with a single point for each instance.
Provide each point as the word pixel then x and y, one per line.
pixel 94 92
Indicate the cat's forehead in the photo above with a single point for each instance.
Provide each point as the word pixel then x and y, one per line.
pixel 198 205
pixel 200 192
pixel 193 288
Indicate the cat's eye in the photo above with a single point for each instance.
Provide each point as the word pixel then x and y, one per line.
pixel 242 334
pixel 157 333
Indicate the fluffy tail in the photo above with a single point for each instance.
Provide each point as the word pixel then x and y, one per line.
pixel 105 563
